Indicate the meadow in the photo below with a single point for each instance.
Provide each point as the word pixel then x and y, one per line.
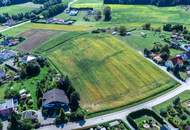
pixel 19 8
pixel 137 15
pixel 107 72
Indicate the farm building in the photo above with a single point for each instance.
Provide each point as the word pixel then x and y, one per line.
pixel 7 107
pixel 6 54
pixel 55 99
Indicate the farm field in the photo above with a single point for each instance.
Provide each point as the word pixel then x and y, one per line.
pixel 124 14
pixel 34 38
pixel 19 8
pixel 107 72
pixel 29 26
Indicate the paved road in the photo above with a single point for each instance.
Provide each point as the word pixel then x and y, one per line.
pixel 122 114
pixel 8 28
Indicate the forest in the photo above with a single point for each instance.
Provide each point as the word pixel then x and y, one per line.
pixel 149 2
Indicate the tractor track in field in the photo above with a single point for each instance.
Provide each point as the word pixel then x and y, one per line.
pixel 66 40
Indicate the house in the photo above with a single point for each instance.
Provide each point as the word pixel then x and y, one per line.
pixel 6 54
pixel 177 60
pixel 55 99
pixel 157 59
pixel 30 114
pixel 7 107
pixel 28 58
pixel 2 75
pixel 164 127
pixel 169 64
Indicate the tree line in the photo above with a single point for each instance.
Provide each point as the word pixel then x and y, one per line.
pixel 12 2
pixel 150 2
pixel 50 8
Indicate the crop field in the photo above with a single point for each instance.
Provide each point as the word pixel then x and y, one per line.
pixel 20 8
pixel 29 26
pixel 34 38
pixel 107 72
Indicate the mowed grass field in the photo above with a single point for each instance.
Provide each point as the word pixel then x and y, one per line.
pixel 107 72
pixel 137 15
pixel 19 8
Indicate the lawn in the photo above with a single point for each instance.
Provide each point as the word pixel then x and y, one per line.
pixel 28 84
pixel 19 8
pixel 107 72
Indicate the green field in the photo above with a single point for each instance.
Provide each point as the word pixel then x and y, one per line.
pixel 20 8
pixel 107 72
pixel 137 15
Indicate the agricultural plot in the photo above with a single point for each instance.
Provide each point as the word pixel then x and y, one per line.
pixel 34 38
pixel 20 8
pixel 29 26
pixel 107 72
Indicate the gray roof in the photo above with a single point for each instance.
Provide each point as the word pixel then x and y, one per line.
pixel 2 74
pixel 55 95
pixel 7 104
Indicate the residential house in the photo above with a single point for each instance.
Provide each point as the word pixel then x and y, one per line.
pixel 2 75
pixel 7 107
pixel 30 114
pixel 6 54
pixel 28 58
pixel 165 127
pixel 177 60
pixel 55 99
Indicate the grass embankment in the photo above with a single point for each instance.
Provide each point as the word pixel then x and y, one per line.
pixel 107 72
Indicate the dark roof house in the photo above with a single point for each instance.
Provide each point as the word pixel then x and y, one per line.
pixel 2 74
pixel 55 98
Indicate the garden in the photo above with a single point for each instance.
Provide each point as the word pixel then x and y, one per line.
pixel 176 111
